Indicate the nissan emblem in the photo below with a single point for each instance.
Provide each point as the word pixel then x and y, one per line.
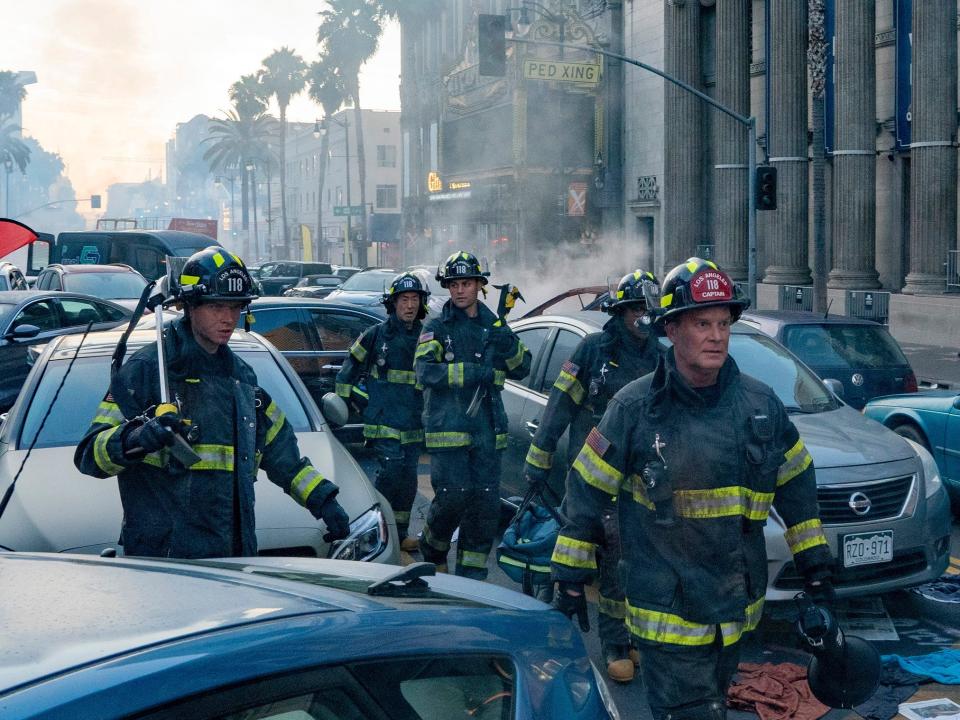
pixel 859 503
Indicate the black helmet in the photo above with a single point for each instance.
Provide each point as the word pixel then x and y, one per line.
pixel 640 286
pixel 461 266
pixel 406 282
pixel 699 283
pixel 214 275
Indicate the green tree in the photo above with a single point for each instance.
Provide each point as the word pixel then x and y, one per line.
pixel 12 148
pixel 246 94
pixel 283 76
pixel 12 93
pixel 326 88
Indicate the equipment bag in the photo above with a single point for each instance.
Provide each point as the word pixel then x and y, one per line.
pixel 526 548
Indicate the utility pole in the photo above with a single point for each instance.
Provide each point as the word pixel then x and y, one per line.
pixel 817 59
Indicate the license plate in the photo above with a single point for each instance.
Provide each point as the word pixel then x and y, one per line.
pixel 868 548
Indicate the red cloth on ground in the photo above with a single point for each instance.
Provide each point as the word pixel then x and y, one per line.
pixel 775 692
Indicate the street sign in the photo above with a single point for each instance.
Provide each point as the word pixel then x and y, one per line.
pixel 345 210
pixel 570 72
pixel 577 199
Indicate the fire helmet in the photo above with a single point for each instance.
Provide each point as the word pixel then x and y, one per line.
pixel 406 282
pixel 461 266
pixel 214 275
pixel 640 286
pixel 699 283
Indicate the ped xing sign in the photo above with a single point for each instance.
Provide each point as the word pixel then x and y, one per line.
pixel 570 72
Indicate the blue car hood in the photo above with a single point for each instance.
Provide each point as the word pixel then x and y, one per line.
pixel 843 437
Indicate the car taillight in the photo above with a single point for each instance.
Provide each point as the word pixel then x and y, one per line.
pixel 910 383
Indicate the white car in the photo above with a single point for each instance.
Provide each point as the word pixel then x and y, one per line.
pixel 56 508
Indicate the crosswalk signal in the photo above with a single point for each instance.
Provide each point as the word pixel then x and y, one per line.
pixel 492 45
pixel 766 187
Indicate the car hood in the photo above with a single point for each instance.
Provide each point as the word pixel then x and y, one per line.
pixel 915 398
pixel 843 437
pixel 357 297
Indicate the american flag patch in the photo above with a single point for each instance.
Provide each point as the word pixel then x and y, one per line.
pixel 426 337
pixel 570 367
pixel 598 442
pixel 108 397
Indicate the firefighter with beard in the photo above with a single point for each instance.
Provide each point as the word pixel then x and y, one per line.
pixel 382 360
pixel 697 454
pixel 602 364
pixel 463 358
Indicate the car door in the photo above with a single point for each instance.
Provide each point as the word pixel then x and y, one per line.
pixel 336 330
pixel 951 450
pixel 14 352
pixel 289 330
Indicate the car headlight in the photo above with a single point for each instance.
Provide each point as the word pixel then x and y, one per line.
pixel 931 473
pixel 367 538
pixel 605 695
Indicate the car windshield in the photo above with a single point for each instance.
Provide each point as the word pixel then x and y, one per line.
pixel 6 312
pixel 376 281
pixel 109 285
pixel 839 345
pixel 87 384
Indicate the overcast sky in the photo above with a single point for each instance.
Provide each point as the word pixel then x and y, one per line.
pixel 116 76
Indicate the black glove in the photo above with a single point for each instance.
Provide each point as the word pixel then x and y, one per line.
pixel 486 376
pixel 502 341
pixel 819 587
pixel 534 475
pixel 571 605
pixel 336 520
pixel 155 434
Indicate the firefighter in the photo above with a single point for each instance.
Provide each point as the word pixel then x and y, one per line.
pixel 601 365
pixel 382 360
pixel 206 510
pixel 696 453
pixel 462 360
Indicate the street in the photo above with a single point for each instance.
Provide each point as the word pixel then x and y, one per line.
pixel 898 623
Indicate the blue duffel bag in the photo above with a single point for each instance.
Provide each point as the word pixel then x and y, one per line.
pixel 526 548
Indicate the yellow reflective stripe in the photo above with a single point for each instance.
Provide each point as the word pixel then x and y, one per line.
pixel 213 457
pixel 218 259
pixel 662 627
pixel 469 558
pixel 431 347
pixel 805 535
pixel 435 543
pixel 499 377
pixel 447 439
pixel 612 608
pixel 411 436
pixel 501 441
pixel 108 413
pixel 597 472
pixel 358 351
pixel 666 300
pixel 723 502
pixel 539 458
pixel 402 377
pixel 157 459
pixel 344 389
pixel 507 560
pixel 733 631
pixel 515 360
pixel 797 459
pixel 455 374
pixel 692 266
pixel 570 385
pixel 100 455
pixel 189 279
pixel 277 418
pixel 574 553
pixel 361 393
pixel 380 432
pixel 304 483
pixel 639 491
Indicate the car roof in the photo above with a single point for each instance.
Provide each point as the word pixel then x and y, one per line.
pixel 15 297
pixel 284 300
pixel 594 320
pixel 91 268
pixel 103 342
pixel 799 317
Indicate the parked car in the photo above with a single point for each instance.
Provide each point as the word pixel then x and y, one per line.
pixel 33 317
pixel 932 419
pixel 275 277
pixel 297 639
pixel 120 283
pixel 860 354
pixel 882 503
pixel 11 278
pixel 345 271
pixel 364 288
pixel 314 286
pixel 55 508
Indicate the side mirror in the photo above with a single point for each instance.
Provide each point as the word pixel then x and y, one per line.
pixel 334 409
pixel 22 332
pixel 956 402
pixel 834 386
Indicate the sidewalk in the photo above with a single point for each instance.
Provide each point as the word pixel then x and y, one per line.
pixel 934 364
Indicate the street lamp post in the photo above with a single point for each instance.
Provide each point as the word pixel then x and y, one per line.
pixel 8 167
pixel 345 124
pixel 219 180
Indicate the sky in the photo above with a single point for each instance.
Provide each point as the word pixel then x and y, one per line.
pixel 114 77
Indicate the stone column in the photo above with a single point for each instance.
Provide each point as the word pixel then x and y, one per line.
pixel 933 159
pixel 787 144
pixel 682 146
pixel 729 224
pixel 854 159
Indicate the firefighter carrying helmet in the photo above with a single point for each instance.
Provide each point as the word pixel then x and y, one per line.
pixel 461 266
pixel 699 283
pixel 640 286
pixel 214 275
pixel 406 282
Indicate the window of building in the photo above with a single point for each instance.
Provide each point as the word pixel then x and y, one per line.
pixel 386 155
pixel 386 196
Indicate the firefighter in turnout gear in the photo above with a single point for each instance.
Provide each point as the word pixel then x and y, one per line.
pixel 696 454
pixel 602 364
pixel 232 425
pixel 382 360
pixel 462 360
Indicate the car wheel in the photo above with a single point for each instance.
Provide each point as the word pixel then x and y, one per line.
pixel 912 432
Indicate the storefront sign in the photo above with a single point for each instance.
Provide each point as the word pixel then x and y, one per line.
pixel 570 72
pixel 577 199
pixel 434 183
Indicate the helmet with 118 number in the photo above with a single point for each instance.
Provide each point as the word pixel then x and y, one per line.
pixel 214 275
pixel 406 282
pixel 699 283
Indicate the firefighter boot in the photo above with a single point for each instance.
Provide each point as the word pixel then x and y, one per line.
pixel 620 667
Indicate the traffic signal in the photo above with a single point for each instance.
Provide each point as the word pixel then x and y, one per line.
pixel 766 187
pixel 492 45
pixel 95 201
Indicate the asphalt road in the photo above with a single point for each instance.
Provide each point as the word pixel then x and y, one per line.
pixel 899 623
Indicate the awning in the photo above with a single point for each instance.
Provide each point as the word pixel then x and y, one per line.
pixel 385 228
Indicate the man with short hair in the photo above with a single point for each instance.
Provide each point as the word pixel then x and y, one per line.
pixel 233 425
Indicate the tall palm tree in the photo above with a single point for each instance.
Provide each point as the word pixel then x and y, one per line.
pixel 283 75
pixel 246 94
pixel 12 93
pixel 348 35
pixel 12 148
pixel 327 90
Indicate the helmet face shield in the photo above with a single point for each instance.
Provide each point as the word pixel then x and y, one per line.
pixel 640 286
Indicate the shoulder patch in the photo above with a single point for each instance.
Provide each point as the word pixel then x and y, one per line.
pixel 598 442
pixel 109 397
pixel 570 367
pixel 425 337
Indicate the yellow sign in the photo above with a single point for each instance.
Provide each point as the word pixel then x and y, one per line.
pixel 434 183
pixel 570 72
pixel 458 185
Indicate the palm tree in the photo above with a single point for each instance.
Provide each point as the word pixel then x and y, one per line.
pixel 327 90
pixel 12 93
pixel 283 75
pixel 246 94
pixel 348 35
pixel 12 148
